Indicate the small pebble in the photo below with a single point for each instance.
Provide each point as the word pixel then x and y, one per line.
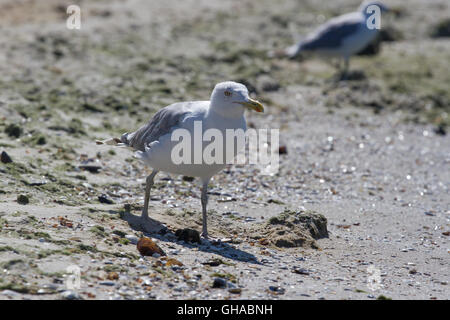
pixel 213 262
pixel 219 283
pixel 277 290
pixel 300 271
pixel 282 150
pixel 5 158
pixel 22 199
pixel 235 290
pixel 148 247
pixel 133 239
pixel 9 293
pixel 70 295
pixel 90 168
pixel 173 262
pixel 13 130
pixel 105 199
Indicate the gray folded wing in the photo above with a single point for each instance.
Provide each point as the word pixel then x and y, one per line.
pixel 162 123
pixel 329 36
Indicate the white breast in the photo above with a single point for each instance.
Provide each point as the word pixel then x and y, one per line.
pixel 160 153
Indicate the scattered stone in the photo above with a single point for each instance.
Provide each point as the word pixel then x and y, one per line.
pixel 49 288
pixel 220 283
pixel 147 247
pixel 13 130
pixel 277 290
pixel 70 295
pixel 282 150
pixel 40 140
pixel 213 262
pixel 112 276
pixel 305 295
pixel 188 179
pixel 34 182
pixel 235 290
pixel 276 201
pixel 105 199
pixel 173 262
pixel 300 271
pixel 9 293
pixel 5 158
pixel 90 168
pixel 188 235
pixel 22 199
pixel 133 239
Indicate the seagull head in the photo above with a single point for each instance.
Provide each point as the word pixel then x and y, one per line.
pixel 366 4
pixel 231 99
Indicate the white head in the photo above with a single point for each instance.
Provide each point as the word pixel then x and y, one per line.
pixel 367 3
pixel 230 99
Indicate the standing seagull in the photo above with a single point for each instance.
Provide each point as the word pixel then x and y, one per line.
pixel 341 37
pixel 154 145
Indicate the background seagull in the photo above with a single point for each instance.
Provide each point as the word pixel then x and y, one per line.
pixel 340 37
pixel 154 145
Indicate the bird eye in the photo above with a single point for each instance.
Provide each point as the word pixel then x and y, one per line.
pixel 228 93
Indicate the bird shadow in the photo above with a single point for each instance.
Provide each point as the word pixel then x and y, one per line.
pixel 348 75
pixel 159 231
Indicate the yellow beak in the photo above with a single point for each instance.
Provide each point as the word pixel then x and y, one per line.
pixel 253 104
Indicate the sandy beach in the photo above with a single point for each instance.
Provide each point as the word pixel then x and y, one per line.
pixel 370 154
